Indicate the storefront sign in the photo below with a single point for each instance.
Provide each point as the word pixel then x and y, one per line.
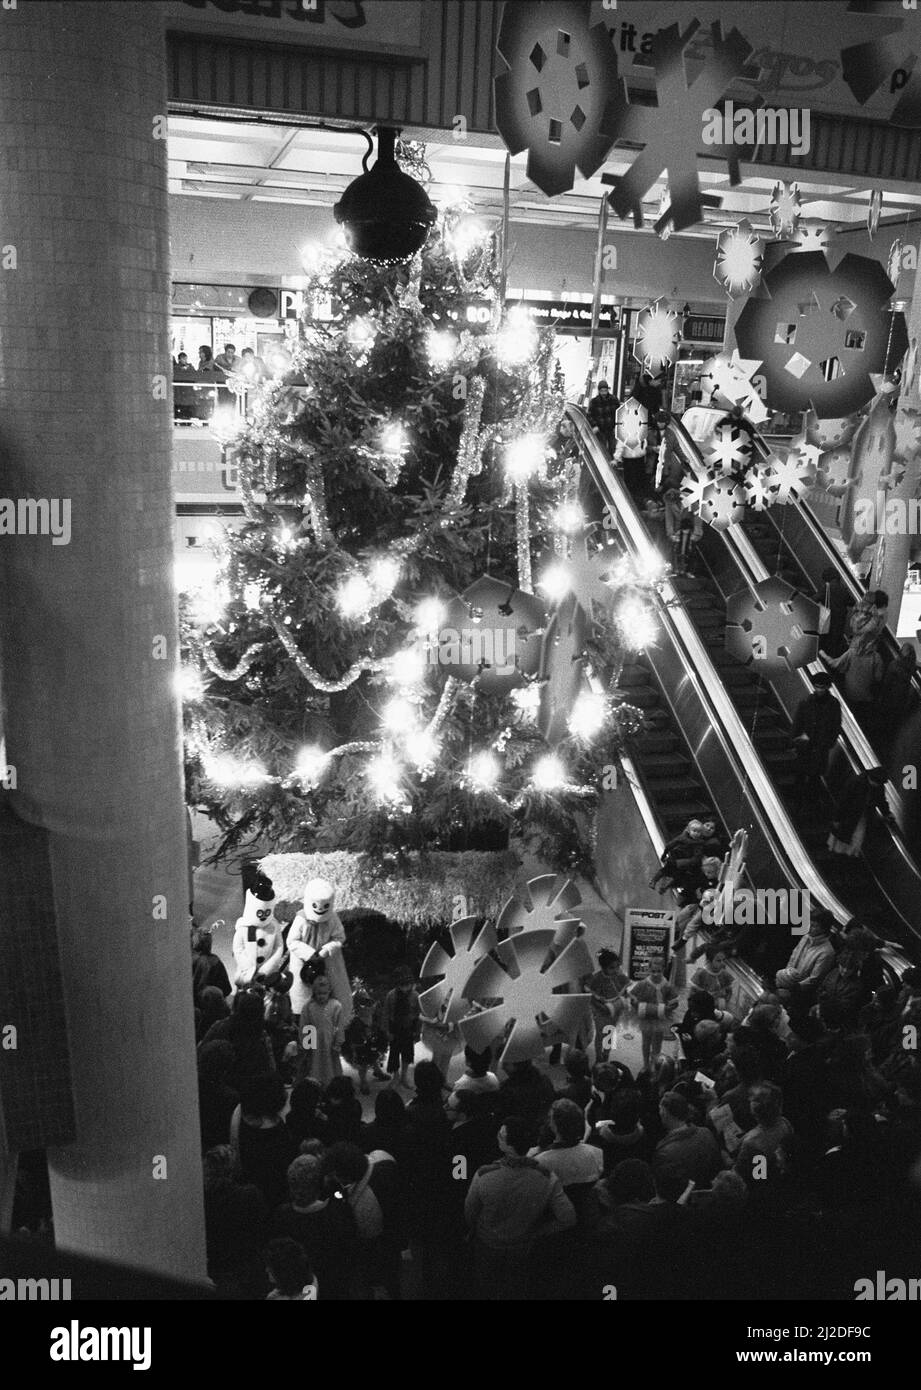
pixel 648 936
pixel 201 470
pixel 566 316
pixel 391 27
pixel 703 328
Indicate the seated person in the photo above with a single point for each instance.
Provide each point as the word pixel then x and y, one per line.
pixel 811 960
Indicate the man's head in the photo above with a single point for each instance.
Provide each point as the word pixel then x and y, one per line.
pixel 515 1137
pixel 603 388
pixel 305 1180
pixel 567 1122
pixel 229 350
pixel 766 1102
pixel 346 1163
pixel 820 923
pixel 711 867
pixel 247 352
pixel 183 359
pixel 609 961
pixel 821 683
pixel 674 1110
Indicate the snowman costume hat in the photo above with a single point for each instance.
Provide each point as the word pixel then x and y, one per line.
pixel 258 943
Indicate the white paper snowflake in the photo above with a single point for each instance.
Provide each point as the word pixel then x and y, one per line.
pixel 785 208
pixel 723 503
pixel 907 434
pixel 760 489
pixel 739 259
pixel 693 489
pixel 729 448
pixel 795 475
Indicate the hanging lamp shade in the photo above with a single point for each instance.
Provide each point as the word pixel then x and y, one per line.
pixel 385 213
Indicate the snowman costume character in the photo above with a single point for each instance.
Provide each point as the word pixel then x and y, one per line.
pixel 258 942
pixel 318 931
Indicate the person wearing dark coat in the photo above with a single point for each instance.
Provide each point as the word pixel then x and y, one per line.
pixel 602 414
pixel 207 968
pixel 216 1100
pixel 263 1143
pixel 863 794
pixel 236 1227
pixel 895 697
pixel 245 1031
pixel 527 1092
pixel 816 726
pixel 839 602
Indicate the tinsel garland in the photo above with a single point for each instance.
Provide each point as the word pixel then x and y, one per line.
pixel 236 672
pixel 523 535
pixel 444 705
pixel 473 441
pixel 316 503
pixel 312 675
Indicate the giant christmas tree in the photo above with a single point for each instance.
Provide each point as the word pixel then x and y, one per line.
pixel 346 687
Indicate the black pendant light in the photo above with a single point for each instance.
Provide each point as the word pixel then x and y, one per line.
pixel 386 214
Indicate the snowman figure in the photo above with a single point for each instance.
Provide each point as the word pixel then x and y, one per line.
pixel 317 931
pixel 258 942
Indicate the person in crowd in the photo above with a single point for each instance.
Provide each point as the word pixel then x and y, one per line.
pixel 251 366
pixel 183 396
pixel 528 1092
pixel 227 360
pixel 816 726
pixel 863 793
pixel 259 1137
pixel 844 988
pixel 510 1203
pixel 622 1134
pixel 896 696
pixel 212 1008
pixel 388 1130
pixel 473 1135
pixel 608 988
pixel 573 1161
pixel 207 368
pixel 245 1031
pixel 771 1131
pixel 217 1100
pixel 401 1023
pixel 364 1038
pixel 683 530
pixel 862 668
pixel 810 961
pixel 342 1109
pixel 684 854
pixel 869 617
pixel 321 1034
pixel 350 1172
pixel 428 1177
pixel 602 414
pixel 322 1224
pixel 760 1035
pixel 626 1187
pixel 578 1087
pixel 236 1220
pixel 632 459
pixel 655 1003
pixel 649 393
pixel 305 1118
pixel 839 601
pixel 714 977
pixel 182 368
pixel 207 968
pixel 476 1075
pixel 687 1152
pixel 290 1273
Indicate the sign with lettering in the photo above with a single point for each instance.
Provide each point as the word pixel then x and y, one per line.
pixel 648 936
pixel 567 316
pixel 703 328
pixel 391 27
pixel 202 470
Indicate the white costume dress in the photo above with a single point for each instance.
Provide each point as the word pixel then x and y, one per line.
pixel 258 943
pixel 317 930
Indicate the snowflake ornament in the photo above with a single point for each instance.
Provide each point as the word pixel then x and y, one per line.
pixel 693 490
pixel 794 474
pixel 831 433
pixel 523 975
pixel 811 234
pixel 739 259
pixel 773 629
pixel 726 379
pixel 631 425
pixel 555 99
pixel 670 131
pixel 723 503
pixel 658 336
pixel 894 261
pixel 907 434
pixel 785 208
pixel 874 208
pixel 729 449
pixel 760 489
pixel 546 903
pixel 443 1001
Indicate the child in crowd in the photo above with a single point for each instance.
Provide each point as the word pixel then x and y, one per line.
pixel 321 1034
pixel 655 1002
pixel 401 1024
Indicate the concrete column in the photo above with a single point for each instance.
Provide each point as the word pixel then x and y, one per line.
pixel 88 636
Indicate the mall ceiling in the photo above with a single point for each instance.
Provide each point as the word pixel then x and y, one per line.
pixel 267 161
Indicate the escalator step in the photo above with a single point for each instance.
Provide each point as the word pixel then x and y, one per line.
pixel 665 765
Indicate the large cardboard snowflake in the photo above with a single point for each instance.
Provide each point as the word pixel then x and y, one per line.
pixel 670 131
pixel 523 975
pixel 726 379
pixel 907 434
pixel 776 628
pixel 832 433
pixel 760 489
pixel 868 66
pixel 658 337
pixel 544 902
pixel 739 259
pixel 729 448
pixel 631 425
pixel 555 99
pixel 794 473
pixel 785 208
pixel 443 1001
pixel 723 503
pixel 492 635
pixel 821 334
pixel 811 234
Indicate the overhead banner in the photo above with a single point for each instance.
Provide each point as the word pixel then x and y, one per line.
pixel 202 470
pixel 648 937
pixel 390 27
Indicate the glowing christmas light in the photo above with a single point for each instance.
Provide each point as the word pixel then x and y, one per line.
pixel 355 597
pixel 208 602
pixel 466 236
pixel 189 684
pixel 384 773
pixel 524 456
pixel 361 334
pixel 407 667
pixel 252 596
pixel 285 536
pixel 430 614
pixel 313 256
pixel 555 582
pixel 637 624
pixel 569 517
pixel 398 716
pixel 224 770
pixel 442 347
pixel 548 773
pixel 385 575
pixel 527 700
pixel 394 440
pixel 483 770
pixel 422 749
pixel 310 766
pixel 651 567
pixel 588 715
pixel 225 422
pixel 516 341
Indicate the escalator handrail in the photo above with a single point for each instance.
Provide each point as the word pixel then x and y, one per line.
pixel 786 845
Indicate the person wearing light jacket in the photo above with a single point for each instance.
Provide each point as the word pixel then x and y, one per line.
pixel 812 958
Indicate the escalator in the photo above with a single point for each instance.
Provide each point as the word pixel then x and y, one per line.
pixel 717 737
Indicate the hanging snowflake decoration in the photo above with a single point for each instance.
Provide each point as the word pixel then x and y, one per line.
pixel 670 131
pixel 523 975
pixel 894 261
pixel 544 903
pixel 785 208
pixel 874 208
pixel 443 1000
pixel 658 335
pixel 739 259
pixel 723 503
pixel 726 379
pixel 631 425
pixel 760 489
pixel 693 491
pixel 794 475
pixel 907 434
pixel 555 97
pixel 832 433
pixel 867 67
pixel 729 448
pixel 774 629
pixel 822 334
pixel 810 234
pixel 491 635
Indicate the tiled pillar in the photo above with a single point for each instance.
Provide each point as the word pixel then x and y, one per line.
pixel 88 628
